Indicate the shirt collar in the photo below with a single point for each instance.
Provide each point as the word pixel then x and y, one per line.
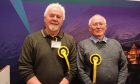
pixel 45 34
pixel 95 40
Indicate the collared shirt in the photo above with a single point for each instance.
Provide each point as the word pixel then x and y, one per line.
pixel 45 34
pixel 98 42
pixel 95 40
pixel 49 38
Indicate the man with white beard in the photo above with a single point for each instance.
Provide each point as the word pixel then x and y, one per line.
pixel 39 61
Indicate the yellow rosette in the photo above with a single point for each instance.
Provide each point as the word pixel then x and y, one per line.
pixel 63 52
pixel 95 59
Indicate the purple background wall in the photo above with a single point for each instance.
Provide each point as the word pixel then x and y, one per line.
pixel 123 24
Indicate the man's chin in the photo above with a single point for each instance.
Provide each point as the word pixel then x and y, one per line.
pixel 54 28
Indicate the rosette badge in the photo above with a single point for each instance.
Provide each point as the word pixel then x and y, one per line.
pixel 63 52
pixel 95 59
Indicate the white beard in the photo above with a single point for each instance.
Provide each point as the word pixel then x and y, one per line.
pixel 53 27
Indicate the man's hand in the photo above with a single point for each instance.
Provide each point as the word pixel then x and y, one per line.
pixel 33 80
pixel 64 81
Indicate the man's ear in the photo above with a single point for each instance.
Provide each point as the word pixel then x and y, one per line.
pixel 89 28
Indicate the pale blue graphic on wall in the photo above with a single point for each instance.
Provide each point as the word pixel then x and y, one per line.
pixel 18 5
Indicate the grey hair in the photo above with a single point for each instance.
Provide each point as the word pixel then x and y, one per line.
pixel 89 23
pixel 55 5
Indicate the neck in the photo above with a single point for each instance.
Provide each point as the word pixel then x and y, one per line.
pixel 52 33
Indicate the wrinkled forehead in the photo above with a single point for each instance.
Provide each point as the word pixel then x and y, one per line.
pixel 98 19
pixel 55 10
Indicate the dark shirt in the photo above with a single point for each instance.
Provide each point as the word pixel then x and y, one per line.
pixel 39 59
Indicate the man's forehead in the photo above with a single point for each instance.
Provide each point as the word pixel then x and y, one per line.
pixel 98 19
pixel 55 9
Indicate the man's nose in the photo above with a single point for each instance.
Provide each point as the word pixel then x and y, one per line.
pixel 98 25
pixel 55 18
